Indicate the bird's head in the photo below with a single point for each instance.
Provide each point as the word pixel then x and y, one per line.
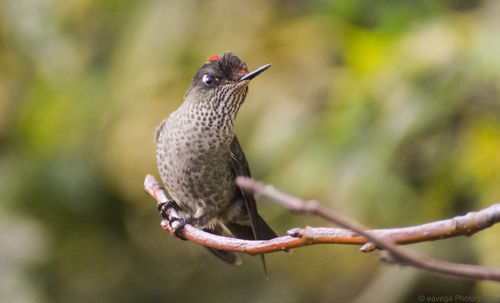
pixel 221 84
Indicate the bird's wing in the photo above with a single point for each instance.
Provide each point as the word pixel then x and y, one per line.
pixel 259 229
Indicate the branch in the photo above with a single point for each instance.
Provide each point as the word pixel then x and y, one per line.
pixel 352 233
pixel 395 254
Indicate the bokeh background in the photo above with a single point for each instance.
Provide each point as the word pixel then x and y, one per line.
pixel 386 111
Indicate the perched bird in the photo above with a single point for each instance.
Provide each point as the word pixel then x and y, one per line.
pixel 199 156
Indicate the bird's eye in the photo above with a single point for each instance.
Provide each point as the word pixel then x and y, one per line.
pixel 208 80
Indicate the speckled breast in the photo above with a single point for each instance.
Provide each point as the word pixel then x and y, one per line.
pixel 194 164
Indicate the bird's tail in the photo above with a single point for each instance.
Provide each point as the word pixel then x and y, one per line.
pixel 262 232
pixel 226 256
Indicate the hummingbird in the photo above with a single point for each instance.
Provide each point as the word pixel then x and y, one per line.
pixel 199 156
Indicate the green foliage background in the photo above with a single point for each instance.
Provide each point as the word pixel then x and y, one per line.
pixel 387 111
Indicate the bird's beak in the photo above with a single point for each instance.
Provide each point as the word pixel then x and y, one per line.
pixel 255 73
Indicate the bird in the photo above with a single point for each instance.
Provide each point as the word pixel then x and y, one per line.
pixel 199 156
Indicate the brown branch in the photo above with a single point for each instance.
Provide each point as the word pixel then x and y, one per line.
pixel 395 254
pixel 353 233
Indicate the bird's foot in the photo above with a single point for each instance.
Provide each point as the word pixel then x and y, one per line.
pixel 181 222
pixel 164 206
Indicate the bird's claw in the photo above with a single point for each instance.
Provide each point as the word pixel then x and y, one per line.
pixel 178 228
pixel 164 206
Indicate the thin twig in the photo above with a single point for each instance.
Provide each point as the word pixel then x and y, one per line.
pixel 298 237
pixel 396 255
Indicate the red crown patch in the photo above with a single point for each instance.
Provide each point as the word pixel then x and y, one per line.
pixel 213 58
